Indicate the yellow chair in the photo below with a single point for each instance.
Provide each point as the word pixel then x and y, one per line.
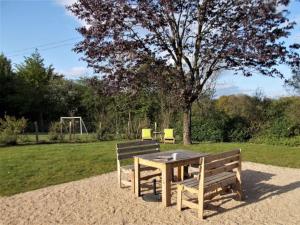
pixel 169 136
pixel 146 134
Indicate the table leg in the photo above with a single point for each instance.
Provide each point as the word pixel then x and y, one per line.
pixel 166 185
pixel 179 177
pixel 137 177
pixel 181 173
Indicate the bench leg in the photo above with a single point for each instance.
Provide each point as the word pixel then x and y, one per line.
pixel 201 191
pixel 132 182
pixel 119 175
pixel 200 203
pixel 179 197
pixel 239 180
pixel 137 187
pixel 239 191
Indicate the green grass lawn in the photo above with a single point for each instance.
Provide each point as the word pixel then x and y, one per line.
pixel 29 167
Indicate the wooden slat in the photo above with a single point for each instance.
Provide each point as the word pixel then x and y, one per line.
pixel 222 162
pixel 222 183
pixel 211 158
pixel 135 143
pixel 130 155
pixel 189 204
pixel 194 183
pixel 150 176
pixel 192 189
pixel 226 168
pixel 220 177
pixel 190 182
pixel 211 195
pixel 138 148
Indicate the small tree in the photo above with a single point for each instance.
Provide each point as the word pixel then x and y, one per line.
pixel 196 38
pixel 10 128
pixel 55 132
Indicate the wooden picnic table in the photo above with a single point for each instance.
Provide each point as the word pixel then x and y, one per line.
pixel 162 161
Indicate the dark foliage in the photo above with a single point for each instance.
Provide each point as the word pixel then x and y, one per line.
pixel 196 39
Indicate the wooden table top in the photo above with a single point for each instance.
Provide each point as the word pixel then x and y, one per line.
pixel 181 155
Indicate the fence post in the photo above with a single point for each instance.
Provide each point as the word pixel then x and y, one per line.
pixel 70 130
pixel 100 131
pixel 36 128
pixel 61 129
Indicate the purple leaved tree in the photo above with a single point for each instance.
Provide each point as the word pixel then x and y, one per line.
pixel 196 38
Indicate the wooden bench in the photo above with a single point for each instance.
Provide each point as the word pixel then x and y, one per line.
pixel 217 173
pixel 127 151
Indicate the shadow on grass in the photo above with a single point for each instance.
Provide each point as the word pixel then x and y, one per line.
pixel 48 143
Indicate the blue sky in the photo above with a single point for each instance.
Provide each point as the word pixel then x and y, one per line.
pixel 46 24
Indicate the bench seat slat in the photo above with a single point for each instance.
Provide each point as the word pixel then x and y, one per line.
pixel 214 157
pixel 209 181
pixel 226 168
pixel 222 183
pixel 222 162
pixel 130 155
pixel 137 148
pixel 136 143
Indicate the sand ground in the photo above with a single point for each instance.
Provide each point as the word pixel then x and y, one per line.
pixel 272 196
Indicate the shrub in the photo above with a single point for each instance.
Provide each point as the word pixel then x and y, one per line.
pixel 209 129
pixel 55 132
pixel 237 129
pixel 281 127
pixel 10 128
pixel 206 131
pixel 291 141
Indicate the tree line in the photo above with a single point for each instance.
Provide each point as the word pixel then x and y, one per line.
pixel 36 92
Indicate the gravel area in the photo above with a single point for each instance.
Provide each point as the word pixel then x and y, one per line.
pixel 272 196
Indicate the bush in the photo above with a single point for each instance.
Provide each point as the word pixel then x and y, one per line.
pixel 55 132
pixel 271 140
pixel 280 128
pixel 209 129
pixel 238 130
pixel 206 131
pixel 10 128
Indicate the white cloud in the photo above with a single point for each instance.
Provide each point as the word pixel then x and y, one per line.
pixel 65 3
pixel 75 72
pixel 224 88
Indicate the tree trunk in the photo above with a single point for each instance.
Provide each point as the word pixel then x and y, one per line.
pixel 187 126
pixel 41 123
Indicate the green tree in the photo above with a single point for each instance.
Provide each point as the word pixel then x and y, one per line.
pixel 7 87
pixel 36 77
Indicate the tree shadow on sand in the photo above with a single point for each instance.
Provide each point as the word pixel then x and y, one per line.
pixel 255 189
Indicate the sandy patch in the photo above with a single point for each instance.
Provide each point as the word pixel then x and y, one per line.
pixel 272 197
